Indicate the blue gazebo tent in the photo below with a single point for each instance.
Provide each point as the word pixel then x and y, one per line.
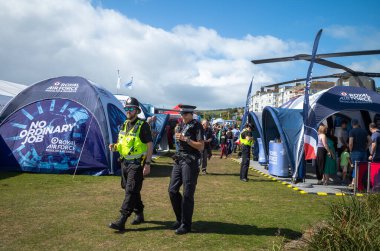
pixel 61 125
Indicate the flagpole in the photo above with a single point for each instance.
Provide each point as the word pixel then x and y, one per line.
pixel 246 108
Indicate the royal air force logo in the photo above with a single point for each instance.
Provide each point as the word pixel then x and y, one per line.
pixel 357 98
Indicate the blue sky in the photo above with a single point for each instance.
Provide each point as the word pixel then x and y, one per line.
pixel 195 52
pixel 288 19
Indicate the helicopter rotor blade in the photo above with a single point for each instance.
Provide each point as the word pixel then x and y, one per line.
pixel 343 75
pixel 318 56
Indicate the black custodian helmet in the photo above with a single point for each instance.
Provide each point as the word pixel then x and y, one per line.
pixel 131 101
pixel 249 125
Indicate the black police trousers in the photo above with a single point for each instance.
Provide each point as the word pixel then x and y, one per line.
pixel 185 172
pixel 245 154
pixel 132 180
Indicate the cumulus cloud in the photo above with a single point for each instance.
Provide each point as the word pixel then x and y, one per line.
pixel 195 65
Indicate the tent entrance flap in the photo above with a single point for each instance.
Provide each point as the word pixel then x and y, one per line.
pixel 283 125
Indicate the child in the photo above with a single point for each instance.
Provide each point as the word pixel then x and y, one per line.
pixel 345 162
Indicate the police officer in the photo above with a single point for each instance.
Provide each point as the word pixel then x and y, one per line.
pixel 186 169
pixel 135 147
pixel 246 141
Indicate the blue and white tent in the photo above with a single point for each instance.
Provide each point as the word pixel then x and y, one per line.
pixel 287 123
pixel 255 118
pixel 61 125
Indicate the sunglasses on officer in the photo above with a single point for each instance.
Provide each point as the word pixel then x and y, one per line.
pixel 184 113
pixel 129 108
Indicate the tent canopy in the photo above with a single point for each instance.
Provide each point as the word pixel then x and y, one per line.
pixel 60 125
pixel 7 91
pixel 217 121
pixel 255 118
pixel 352 102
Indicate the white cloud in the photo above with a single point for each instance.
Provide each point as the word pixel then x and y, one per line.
pixel 195 65
pixel 355 37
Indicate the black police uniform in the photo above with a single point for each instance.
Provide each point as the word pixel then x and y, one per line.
pixel 132 175
pixel 185 171
pixel 245 154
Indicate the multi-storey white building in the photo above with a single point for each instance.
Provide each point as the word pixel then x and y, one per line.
pixel 278 96
pixel 262 99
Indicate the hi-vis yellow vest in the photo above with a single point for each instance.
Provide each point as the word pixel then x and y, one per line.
pixel 129 144
pixel 245 141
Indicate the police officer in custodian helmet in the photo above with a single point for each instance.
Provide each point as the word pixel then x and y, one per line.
pixel 186 169
pixel 135 147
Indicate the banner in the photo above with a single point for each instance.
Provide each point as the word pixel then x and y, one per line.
pixel 307 144
pixel 48 134
pixel 244 120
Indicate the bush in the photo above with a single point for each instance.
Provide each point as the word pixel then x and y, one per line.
pixel 354 225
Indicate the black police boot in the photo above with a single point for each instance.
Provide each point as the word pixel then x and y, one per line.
pixel 182 230
pixel 120 223
pixel 138 219
pixel 176 225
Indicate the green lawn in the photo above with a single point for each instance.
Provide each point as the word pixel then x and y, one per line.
pixel 59 212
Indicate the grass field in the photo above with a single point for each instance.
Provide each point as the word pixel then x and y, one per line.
pixel 59 212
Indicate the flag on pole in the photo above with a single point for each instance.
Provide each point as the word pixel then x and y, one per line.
pixel 246 108
pixel 129 84
pixel 310 135
pixel 118 81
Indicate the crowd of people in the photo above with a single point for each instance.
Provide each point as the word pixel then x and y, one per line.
pixel 217 137
pixel 339 148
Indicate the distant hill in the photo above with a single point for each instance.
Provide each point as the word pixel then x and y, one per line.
pixel 226 113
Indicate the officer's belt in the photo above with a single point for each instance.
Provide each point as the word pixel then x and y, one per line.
pixel 182 155
pixel 132 161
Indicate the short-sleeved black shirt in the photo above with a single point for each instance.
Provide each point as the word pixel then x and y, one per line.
pixel 145 133
pixel 195 131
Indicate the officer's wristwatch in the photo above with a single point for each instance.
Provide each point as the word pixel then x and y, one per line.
pixel 147 163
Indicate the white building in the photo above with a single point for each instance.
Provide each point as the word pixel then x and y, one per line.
pixel 280 95
pixel 262 99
